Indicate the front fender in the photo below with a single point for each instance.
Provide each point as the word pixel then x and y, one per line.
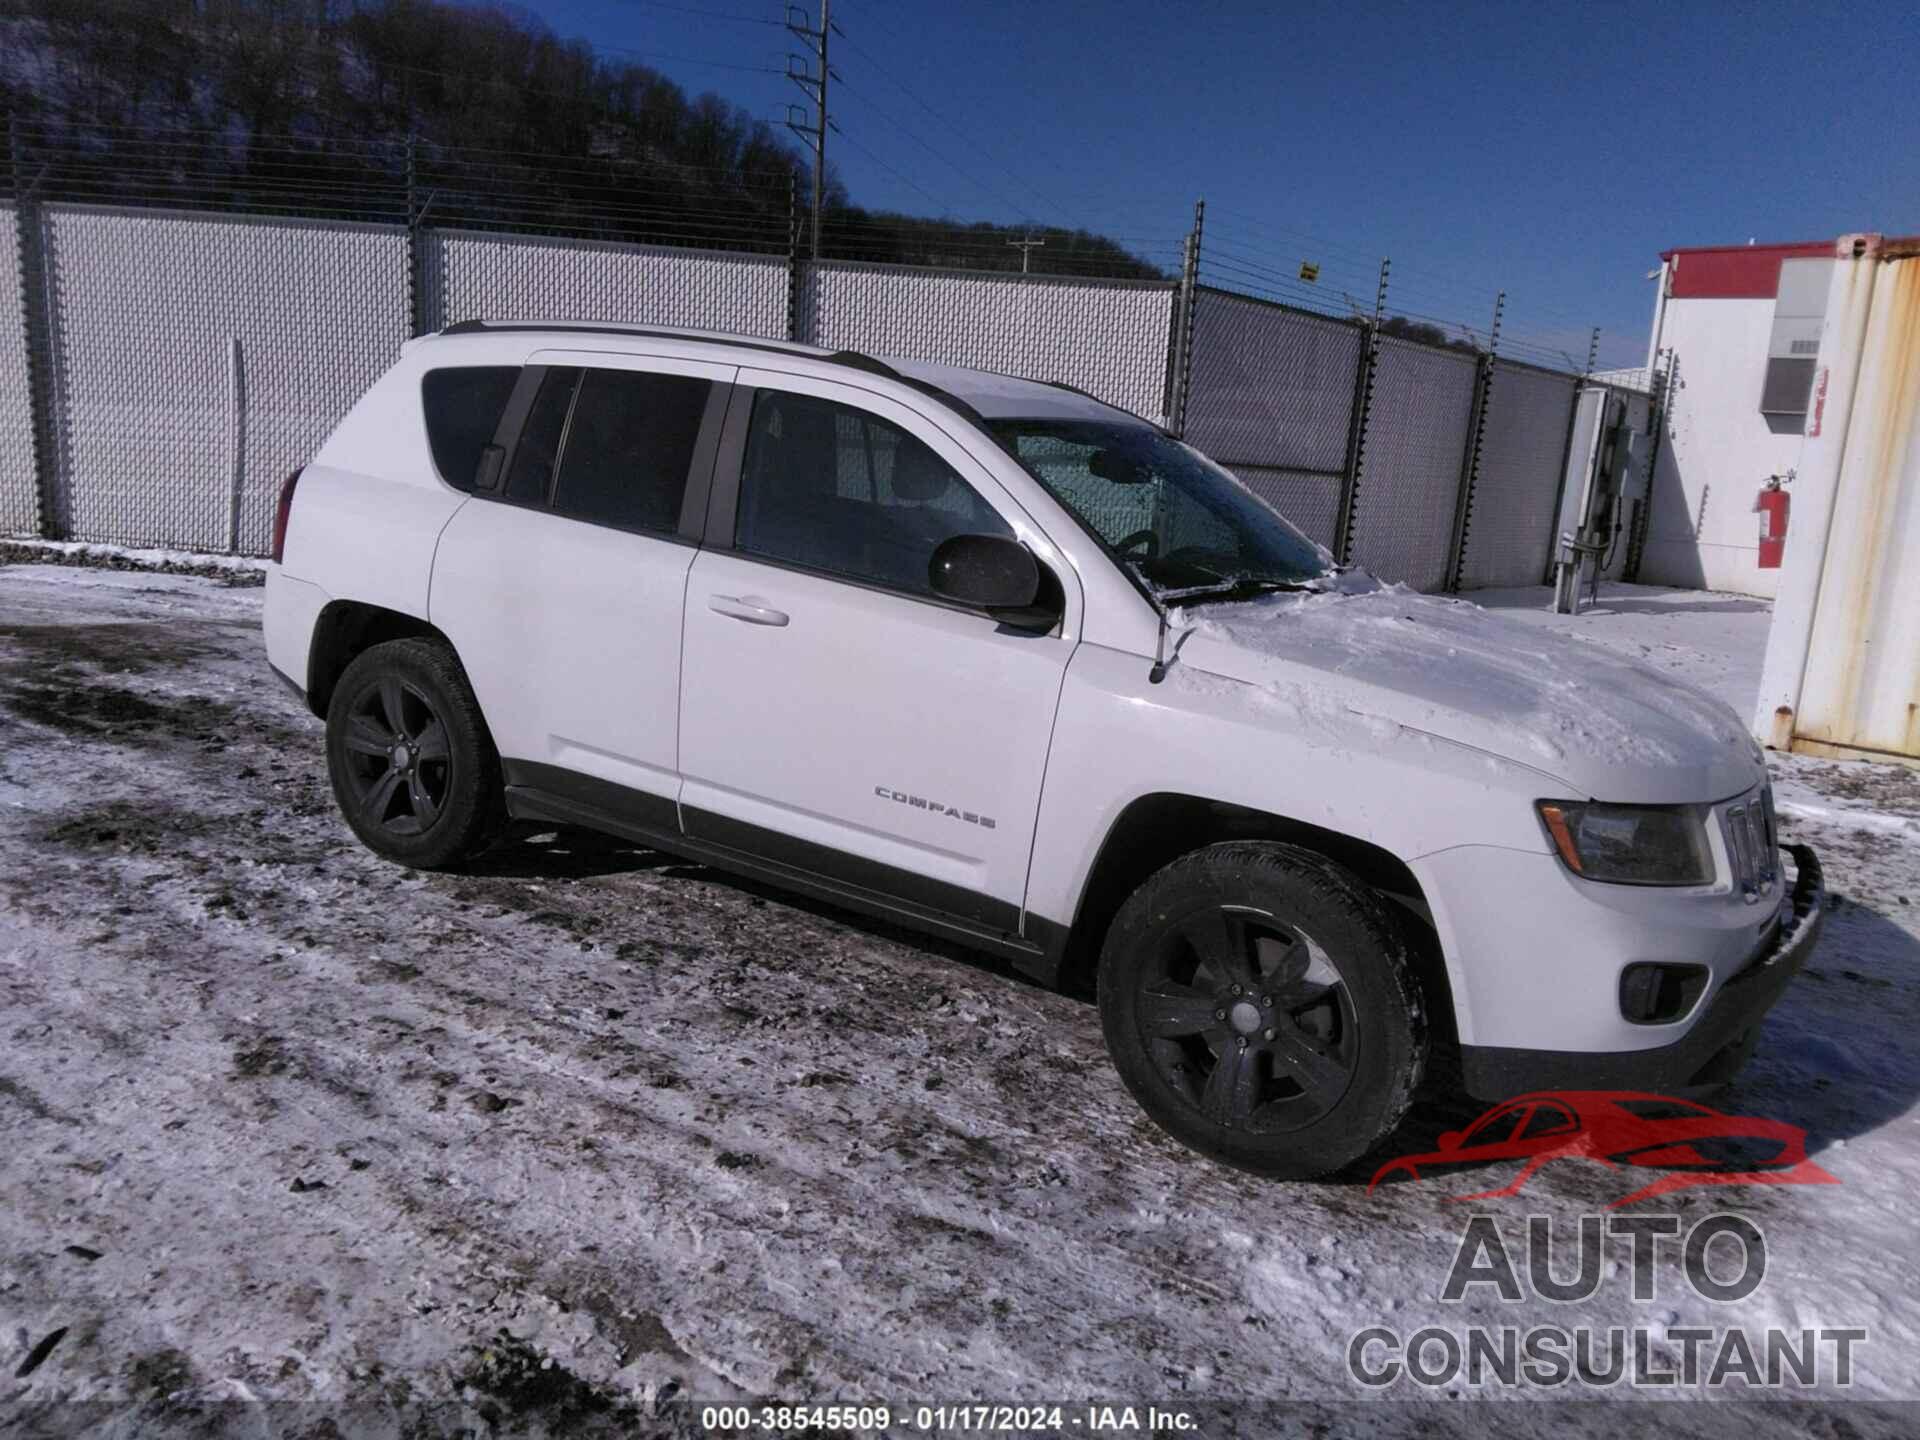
pixel 1119 737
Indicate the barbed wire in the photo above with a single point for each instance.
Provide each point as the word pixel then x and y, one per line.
pixel 637 198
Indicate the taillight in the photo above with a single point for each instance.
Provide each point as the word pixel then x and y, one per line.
pixel 280 514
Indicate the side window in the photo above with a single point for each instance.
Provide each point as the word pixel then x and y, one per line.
pixel 463 404
pixel 628 448
pixel 834 488
pixel 530 479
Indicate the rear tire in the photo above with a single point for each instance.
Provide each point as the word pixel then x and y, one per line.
pixel 1260 1004
pixel 413 767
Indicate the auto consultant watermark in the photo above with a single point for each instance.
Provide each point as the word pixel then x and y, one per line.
pixel 1722 1257
pixel 1664 1144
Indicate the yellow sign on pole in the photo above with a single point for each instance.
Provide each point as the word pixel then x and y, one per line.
pixel 1309 270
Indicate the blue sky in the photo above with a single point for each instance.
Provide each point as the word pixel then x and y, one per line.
pixel 1549 150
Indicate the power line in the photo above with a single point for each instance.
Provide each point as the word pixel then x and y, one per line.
pixel 898 175
pixel 867 100
pixel 978 149
pixel 690 60
pixel 711 14
pixel 958 129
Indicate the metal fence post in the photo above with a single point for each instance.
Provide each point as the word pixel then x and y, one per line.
pixel 796 266
pixel 1183 356
pixel 1357 426
pixel 1660 396
pixel 37 329
pixel 1470 462
pixel 236 440
pixel 414 319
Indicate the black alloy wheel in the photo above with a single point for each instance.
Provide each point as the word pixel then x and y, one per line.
pixel 1260 1003
pixel 1248 1020
pixel 401 765
pixel 412 762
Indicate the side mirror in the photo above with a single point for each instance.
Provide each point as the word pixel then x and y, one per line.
pixel 1451 1140
pixel 998 575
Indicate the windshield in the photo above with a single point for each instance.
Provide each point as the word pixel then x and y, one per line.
pixel 1186 527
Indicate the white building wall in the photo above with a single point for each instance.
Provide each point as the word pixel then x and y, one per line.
pixel 1718 451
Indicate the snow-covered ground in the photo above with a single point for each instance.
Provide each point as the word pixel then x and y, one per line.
pixel 587 1128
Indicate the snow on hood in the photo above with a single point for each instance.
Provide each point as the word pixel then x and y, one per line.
pixel 1609 727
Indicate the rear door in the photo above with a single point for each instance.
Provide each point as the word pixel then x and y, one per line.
pixel 836 716
pixel 562 586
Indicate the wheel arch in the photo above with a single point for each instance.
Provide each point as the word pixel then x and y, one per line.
pixel 345 629
pixel 1156 829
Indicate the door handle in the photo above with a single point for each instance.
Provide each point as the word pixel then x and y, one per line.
pixel 750 608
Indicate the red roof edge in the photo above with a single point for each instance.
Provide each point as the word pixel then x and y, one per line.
pixel 1734 272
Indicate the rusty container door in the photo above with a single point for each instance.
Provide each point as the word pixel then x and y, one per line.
pixel 1862 688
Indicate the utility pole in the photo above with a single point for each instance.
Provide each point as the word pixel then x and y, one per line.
pixel 814 87
pixel 1026 246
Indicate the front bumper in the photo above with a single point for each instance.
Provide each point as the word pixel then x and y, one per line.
pixel 1712 1050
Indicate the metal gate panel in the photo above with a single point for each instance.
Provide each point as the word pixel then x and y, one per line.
pixel 197 361
pixel 1521 454
pixel 1416 442
pixel 19 510
pixel 1271 387
pixel 1636 485
pixel 468 275
pixel 1307 498
pixel 1107 338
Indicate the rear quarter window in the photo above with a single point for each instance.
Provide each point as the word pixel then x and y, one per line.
pixel 463 404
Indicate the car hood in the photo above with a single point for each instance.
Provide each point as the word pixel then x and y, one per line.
pixel 1361 655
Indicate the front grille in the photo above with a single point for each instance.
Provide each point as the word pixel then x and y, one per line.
pixel 1752 844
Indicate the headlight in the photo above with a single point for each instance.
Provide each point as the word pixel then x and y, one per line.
pixel 1631 844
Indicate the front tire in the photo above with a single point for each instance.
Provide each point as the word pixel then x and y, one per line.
pixel 413 768
pixel 1259 1003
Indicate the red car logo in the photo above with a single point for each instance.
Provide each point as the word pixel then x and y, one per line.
pixel 1692 1144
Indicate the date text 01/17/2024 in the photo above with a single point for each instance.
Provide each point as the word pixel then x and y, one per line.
pixel 978 1418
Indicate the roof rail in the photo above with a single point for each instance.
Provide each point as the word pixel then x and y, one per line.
pixel 644 332
pixel 856 360
pixel 851 359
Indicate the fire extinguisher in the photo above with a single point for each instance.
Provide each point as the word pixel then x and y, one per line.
pixel 1771 505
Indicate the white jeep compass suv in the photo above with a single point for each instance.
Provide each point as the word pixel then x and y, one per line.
pixel 994 659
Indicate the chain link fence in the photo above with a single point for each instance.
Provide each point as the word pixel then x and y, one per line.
pixel 1436 464
pixel 468 274
pixel 1109 338
pixel 196 360
pixel 1510 535
pixel 19 506
pixel 1416 444
pixel 1271 387
pixel 181 363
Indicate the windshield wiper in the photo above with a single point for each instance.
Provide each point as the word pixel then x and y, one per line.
pixel 1236 590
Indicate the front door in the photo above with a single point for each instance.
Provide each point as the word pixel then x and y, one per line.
pixel 835 716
